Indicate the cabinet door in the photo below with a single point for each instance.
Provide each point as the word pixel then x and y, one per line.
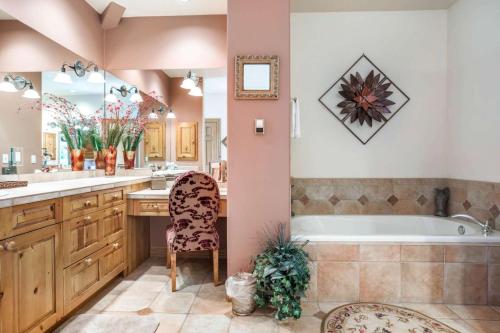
pixel 6 292
pixel 81 281
pixel 36 275
pixel 113 224
pixel 154 140
pixel 187 142
pixel 112 261
pixel 81 237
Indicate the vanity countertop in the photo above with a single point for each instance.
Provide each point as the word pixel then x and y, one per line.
pixel 49 190
pixel 163 194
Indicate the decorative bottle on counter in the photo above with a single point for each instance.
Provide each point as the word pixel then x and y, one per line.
pixel 110 161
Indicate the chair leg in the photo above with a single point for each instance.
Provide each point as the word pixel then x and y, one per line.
pixel 173 273
pixel 168 259
pixel 215 254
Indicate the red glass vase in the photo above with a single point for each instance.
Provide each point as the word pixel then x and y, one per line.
pixel 129 159
pixel 100 164
pixel 110 161
pixel 77 158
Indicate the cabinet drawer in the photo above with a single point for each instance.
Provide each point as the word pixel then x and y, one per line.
pixel 80 204
pixel 113 223
pixel 81 281
pixel 112 261
pixel 20 219
pixel 151 207
pixel 112 197
pixel 81 236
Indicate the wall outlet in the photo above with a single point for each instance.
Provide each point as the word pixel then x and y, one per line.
pixel 33 159
pixel 5 158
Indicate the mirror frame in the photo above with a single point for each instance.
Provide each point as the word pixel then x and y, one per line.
pixel 274 63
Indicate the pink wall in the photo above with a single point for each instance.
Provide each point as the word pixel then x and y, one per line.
pixel 146 80
pixel 25 49
pixel 73 24
pixel 167 42
pixel 259 166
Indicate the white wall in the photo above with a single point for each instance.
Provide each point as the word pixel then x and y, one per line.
pixel 215 104
pixel 474 89
pixel 410 47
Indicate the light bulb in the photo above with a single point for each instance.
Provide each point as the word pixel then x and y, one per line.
pixel 31 93
pixel 63 77
pixel 153 115
pixel 96 77
pixel 7 86
pixel 111 98
pixel 188 83
pixel 196 91
pixel 136 98
pixel 170 115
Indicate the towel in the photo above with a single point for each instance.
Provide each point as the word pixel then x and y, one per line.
pixel 295 130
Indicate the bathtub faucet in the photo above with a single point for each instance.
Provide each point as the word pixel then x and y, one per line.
pixel 485 227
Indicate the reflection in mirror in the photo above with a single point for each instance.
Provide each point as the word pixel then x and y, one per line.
pixel 256 76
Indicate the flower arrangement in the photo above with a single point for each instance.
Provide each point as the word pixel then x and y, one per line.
pixel 282 275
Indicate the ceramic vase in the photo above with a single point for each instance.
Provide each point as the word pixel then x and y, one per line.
pixel 77 158
pixel 129 159
pixel 110 161
pixel 100 164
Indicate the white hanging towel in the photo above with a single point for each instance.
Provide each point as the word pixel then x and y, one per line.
pixel 295 130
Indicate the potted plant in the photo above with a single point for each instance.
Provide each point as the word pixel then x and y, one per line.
pixel 130 143
pixel 74 138
pixel 282 275
pixel 99 150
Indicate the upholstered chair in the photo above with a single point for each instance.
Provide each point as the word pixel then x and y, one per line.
pixel 193 207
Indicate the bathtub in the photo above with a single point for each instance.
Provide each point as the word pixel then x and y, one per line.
pixel 386 228
pixel 399 259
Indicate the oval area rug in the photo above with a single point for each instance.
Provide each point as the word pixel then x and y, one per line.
pixel 380 318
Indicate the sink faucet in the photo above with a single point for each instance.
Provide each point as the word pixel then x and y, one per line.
pixel 485 227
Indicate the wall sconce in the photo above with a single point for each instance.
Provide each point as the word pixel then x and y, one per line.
pixel 80 70
pixel 196 90
pixel 192 82
pixel 156 113
pixel 135 98
pixel 12 83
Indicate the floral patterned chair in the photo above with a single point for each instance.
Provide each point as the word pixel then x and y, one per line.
pixel 194 208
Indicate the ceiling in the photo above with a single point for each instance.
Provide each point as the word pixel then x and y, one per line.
pixel 367 5
pixel 164 7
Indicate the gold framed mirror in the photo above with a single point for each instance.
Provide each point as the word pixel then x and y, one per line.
pixel 257 77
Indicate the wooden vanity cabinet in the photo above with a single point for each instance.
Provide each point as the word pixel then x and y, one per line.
pixel 31 281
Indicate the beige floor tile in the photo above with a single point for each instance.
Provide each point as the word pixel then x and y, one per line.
pixel 170 323
pixel 267 311
pixel 437 311
pixel 459 325
pixel 253 324
pixel 484 326
pixel 210 288
pixel 214 303
pixel 172 302
pixel 196 323
pixel 475 312
pixel 131 301
pixel 302 325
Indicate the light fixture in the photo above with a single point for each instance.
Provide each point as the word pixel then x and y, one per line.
pixel 153 115
pixel 80 70
pixel 134 98
pixel 170 114
pixel 189 81
pixel 196 90
pixel 12 83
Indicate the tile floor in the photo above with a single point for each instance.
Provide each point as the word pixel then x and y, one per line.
pixel 199 306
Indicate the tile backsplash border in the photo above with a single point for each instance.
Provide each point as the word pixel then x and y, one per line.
pixel 388 196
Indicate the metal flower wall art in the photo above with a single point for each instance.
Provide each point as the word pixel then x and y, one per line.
pixel 364 99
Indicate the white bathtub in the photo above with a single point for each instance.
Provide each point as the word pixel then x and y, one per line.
pixel 386 228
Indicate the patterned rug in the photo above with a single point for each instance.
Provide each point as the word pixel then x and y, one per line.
pixel 380 318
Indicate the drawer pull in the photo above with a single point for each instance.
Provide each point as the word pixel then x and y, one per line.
pixel 87 203
pixel 87 219
pixel 88 261
pixel 115 197
pixel 156 206
pixel 10 246
pixel 116 245
pixel 116 211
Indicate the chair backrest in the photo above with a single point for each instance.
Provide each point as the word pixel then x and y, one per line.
pixel 194 204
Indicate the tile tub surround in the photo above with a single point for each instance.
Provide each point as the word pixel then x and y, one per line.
pixel 404 196
pixel 404 273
